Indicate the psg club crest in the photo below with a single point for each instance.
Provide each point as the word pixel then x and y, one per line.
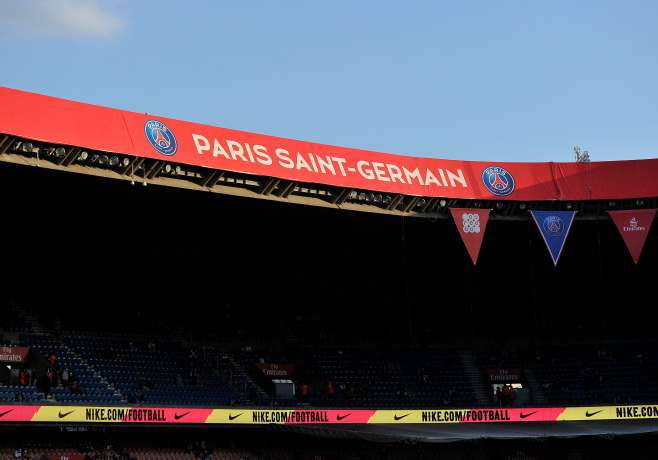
pixel 498 181
pixel 160 137
pixel 553 225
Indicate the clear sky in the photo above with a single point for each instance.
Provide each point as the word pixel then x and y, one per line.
pixel 481 80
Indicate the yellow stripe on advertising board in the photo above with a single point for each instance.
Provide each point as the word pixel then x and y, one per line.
pixel 230 416
pixel 99 414
pixel 63 414
pixel 587 413
pixel 395 416
pixel 609 413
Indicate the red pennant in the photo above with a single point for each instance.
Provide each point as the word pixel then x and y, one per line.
pixel 471 224
pixel 634 226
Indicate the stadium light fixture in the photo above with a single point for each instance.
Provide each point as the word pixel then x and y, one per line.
pixel 581 156
pixel 362 196
pixel 114 161
pixel 443 203
pixel 639 202
pixel 612 204
pixel 60 152
pixel 27 147
pixel 103 160
pixel 379 198
pixel 569 206
pixel 422 202
pixel 500 205
pixel 83 155
pixel 387 199
pixel 353 195
pixel 167 168
pixel 522 206
pixel 125 162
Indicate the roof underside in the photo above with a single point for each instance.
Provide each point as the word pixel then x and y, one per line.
pixel 171 174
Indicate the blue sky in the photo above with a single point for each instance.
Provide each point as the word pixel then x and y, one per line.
pixel 478 80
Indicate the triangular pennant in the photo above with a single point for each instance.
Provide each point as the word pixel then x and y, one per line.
pixel 471 224
pixel 554 227
pixel 634 226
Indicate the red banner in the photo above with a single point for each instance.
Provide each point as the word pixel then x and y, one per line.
pixel 504 375
pixel 14 354
pixel 276 371
pixel 634 226
pixel 49 119
pixel 50 413
pixel 471 224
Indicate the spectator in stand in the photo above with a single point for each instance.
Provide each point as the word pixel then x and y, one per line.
pixel 304 392
pixel 52 360
pixel 76 389
pixel 23 377
pixel 64 379
pixel 499 396
pixel 330 390
pixel 49 375
pixel 19 397
pixel 192 357
pixel 506 395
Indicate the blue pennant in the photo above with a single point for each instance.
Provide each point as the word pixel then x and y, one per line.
pixel 554 227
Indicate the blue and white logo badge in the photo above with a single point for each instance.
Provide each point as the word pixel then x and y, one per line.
pixel 160 137
pixel 553 225
pixel 498 180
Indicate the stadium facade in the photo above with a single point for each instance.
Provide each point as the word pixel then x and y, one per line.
pixel 369 286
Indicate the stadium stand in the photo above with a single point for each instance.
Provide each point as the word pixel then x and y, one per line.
pixel 141 370
pixel 394 379
pixel 614 373
pixel 93 387
pixel 153 371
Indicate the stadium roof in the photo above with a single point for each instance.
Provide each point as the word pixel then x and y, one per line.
pixel 61 134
